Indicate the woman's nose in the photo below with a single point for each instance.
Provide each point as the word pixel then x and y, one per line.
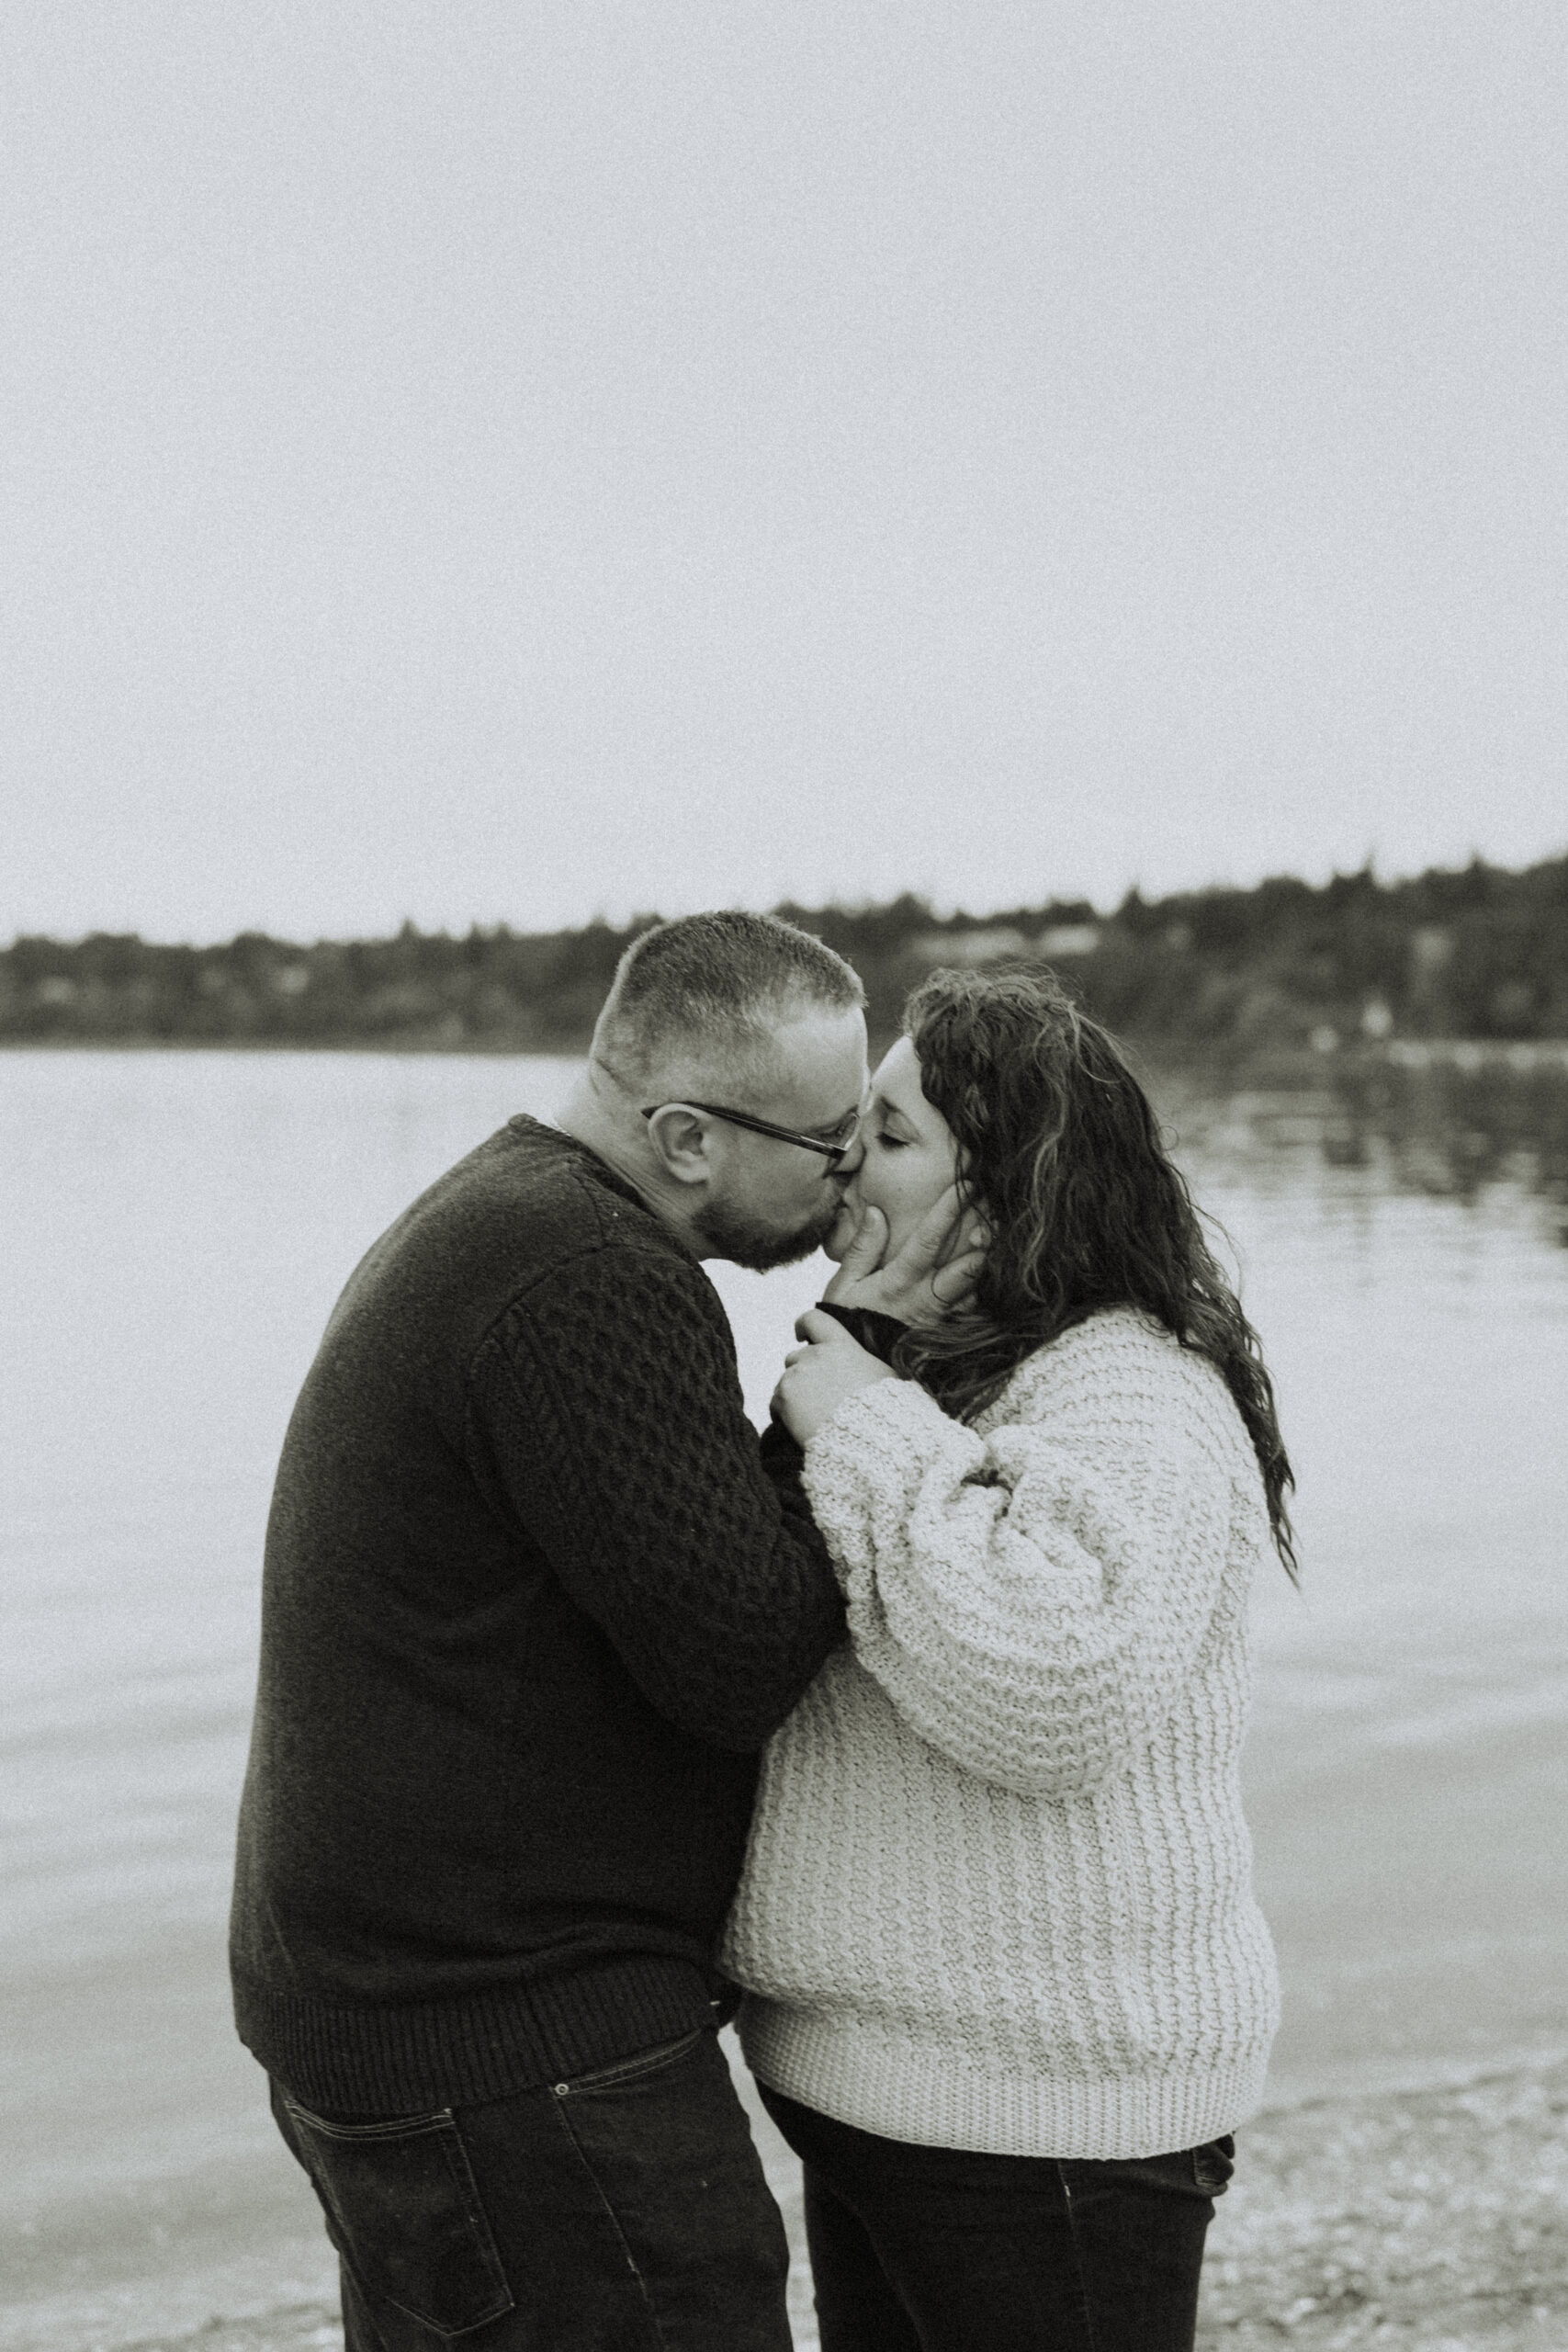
pixel 853 1160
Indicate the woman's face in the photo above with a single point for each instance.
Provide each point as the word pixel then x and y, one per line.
pixel 909 1154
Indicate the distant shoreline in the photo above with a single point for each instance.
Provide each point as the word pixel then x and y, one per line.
pixel 1282 968
pixel 1397 1052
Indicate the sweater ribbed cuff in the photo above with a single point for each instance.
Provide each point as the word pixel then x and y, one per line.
pixel 400 2059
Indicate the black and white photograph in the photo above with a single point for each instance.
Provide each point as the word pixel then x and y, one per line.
pixel 784 1165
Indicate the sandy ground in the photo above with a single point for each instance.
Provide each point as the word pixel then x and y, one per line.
pixel 1428 2221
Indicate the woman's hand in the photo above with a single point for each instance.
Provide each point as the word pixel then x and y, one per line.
pixel 933 1274
pixel 819 1375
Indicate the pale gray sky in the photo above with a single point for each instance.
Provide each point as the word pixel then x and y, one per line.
pixel 478 461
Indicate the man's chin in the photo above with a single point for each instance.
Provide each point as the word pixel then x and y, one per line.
pixel 758 1247
pixel 763 1257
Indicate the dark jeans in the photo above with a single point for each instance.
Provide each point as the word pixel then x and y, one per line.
pixel 620 2213
pixel 940 2250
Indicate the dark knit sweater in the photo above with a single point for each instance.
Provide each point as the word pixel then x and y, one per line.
pixel 532 1605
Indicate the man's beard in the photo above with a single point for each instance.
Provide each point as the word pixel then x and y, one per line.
pixel 730 1233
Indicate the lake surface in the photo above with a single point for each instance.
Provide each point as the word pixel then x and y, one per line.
pixel 177 1226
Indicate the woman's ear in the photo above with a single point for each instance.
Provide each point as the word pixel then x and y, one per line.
pixel 679 1138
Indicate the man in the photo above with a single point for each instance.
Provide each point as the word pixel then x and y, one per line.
pixel 534 1602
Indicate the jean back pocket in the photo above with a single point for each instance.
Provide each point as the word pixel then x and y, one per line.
pixel 405 2215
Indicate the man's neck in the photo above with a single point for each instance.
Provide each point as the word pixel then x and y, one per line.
pixel 593 1117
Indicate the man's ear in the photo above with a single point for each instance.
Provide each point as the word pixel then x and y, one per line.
pixel 679 1138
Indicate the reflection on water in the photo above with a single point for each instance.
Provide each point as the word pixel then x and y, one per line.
pixel 1448 1130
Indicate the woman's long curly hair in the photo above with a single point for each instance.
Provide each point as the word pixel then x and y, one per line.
pixel 1060 1151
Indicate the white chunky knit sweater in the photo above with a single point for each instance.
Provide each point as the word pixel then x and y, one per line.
pixel 997 1893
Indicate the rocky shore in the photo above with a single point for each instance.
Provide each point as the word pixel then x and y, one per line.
pixel 1424 2221
pixel 1428 2221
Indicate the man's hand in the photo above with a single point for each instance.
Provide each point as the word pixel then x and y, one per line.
pixel 932 1275
pixel 819 1376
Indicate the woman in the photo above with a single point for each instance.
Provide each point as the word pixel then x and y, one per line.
pixel 1008 1988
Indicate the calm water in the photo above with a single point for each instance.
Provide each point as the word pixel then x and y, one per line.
pixel 185 1223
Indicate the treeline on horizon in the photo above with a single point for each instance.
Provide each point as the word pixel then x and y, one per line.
pixel 1478 953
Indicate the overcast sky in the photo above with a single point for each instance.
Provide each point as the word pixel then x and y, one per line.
pixel 505 461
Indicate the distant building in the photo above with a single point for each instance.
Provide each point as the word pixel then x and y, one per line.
pixel 1068 939
pixel 969 946
pixel 990 943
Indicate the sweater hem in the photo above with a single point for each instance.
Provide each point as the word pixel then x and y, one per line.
pixel 900 2091
pixel 399 2058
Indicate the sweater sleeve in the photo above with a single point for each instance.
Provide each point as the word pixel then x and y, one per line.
pixel 608 1406
pixel 1033 1601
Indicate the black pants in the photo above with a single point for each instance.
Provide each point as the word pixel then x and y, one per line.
pixel 940 2250
pixel 623 2212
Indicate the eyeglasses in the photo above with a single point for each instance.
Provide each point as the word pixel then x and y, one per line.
pixel 842 1142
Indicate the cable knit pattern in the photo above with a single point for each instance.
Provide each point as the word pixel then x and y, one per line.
pixel 997 1893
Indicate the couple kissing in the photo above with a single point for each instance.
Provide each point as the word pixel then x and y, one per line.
pixel 911 1729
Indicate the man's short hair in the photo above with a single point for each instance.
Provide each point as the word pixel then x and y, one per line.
pixel 707 992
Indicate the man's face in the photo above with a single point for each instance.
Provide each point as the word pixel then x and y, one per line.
pixel 771 1203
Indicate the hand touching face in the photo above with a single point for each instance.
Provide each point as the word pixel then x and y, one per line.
pixel 928 1279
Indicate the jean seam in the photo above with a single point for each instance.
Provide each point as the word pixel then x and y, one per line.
pixel 1077 2257
pixel 366 2315
pixel 559 2105
pixel 391 2127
